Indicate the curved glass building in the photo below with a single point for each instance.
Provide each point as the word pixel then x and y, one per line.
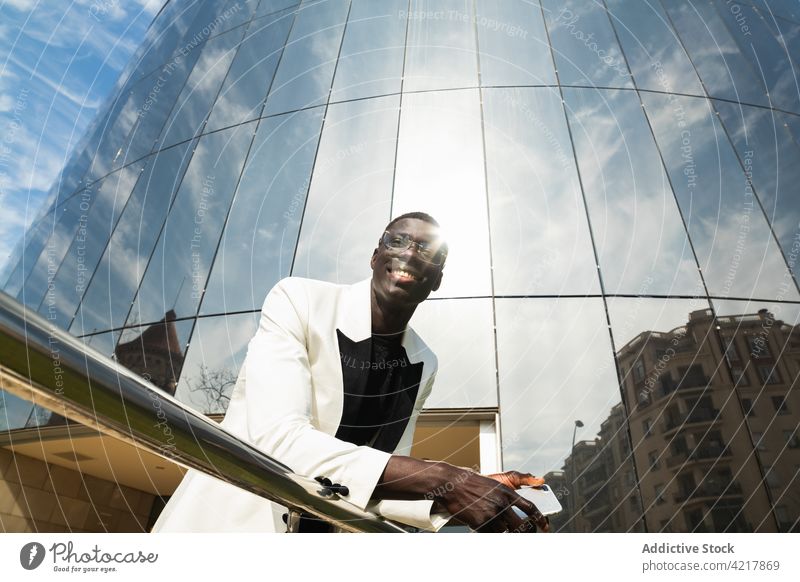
pixel 617 181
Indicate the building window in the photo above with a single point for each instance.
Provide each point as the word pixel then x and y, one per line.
pixel 634 502
pixel 779 402
pixel 773 480
pixel 739 376
pixel 647 425
pixel 660 494
pixel 749 407
pixel 653 458
pixel 769 374
pixel 791 438
pixel 730 349
pixel 638 371
pixel 758 439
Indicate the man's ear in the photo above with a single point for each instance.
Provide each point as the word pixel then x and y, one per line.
pixel 372 260
pixel 438 280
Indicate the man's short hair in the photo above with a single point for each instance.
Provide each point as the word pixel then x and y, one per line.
pixel 419 216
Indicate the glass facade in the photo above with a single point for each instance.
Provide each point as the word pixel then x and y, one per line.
pixel 616 180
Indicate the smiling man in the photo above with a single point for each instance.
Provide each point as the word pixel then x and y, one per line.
pixel 332 385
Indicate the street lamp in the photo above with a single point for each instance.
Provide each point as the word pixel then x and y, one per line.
pixel 571 504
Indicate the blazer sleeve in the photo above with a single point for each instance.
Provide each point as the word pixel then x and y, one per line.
pixel 277 401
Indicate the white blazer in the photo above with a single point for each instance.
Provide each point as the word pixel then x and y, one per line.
pixel 288 402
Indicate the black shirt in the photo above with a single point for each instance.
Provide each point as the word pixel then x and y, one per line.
pixel 380 389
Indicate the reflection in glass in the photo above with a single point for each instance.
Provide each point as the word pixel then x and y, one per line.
pixel 440 170
pixel 638 232
pixel 766 361
pixel 269 6
pixel 540 236
pixel 770 157
pixel 350 197
pixel 177 272
pixel 655 56
pixel 212 363
pixel 34 240
pixel 309 59
pixel 725 71
pixel 371 60
pixel 245 88
pixel 693 456
pixel 53 253
pixel 466 374
pixel 196 99
pixel 758 44
pixel 735 248
pixel 166 34
pixel 259 240
pixel 113 285
pixel 440 51
pixel 156 352
pixel 513 44
pixel 584 46
pixel 66 287
pixel 556 367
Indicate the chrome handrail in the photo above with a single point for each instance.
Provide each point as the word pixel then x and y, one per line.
pixel 51 368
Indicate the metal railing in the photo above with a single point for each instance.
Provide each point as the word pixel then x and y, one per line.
pixel 51 368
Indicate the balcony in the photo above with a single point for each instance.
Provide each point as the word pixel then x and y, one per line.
pixel 701 453
pixel 695 417
pixel 709 492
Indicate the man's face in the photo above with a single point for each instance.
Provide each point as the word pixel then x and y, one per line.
pixel 403 276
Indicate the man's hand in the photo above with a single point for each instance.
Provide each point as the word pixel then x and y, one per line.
pixel 484 502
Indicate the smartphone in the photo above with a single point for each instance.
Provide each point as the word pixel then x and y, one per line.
pixel 541 496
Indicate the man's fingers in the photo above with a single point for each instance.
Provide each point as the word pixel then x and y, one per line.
pixel 530 509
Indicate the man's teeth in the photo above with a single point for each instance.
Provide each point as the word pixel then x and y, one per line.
pixel 406 274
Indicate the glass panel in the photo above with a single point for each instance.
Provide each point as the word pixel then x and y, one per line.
pixel 371 60
pixel 177 272
pixel 156 352
pixel 246 85
pixel 270 6
pixel 216 353
pixel 584 45
pixel 58 242
pixel 161 98
pixel 761 47
pixel 560 410
pixel 34 239
pixel 215 17
pixel 782 8
pixel 787 34
pixel 349 201
pixel 94 231
pixel 265 214
pixel 440 170
pixel 723 68
pixel 466 375
pixel 513 44
pixel 638 232
pixel 441 45
pixel 236 12
pixel 166 35
pixel 14 412
pixel 694 463
pixel 113 285
pixel 655 55
pixel 770 157
pixel 309 59
pixel 526 133
pixel 197 98
pixel 733 243
pixel 767 340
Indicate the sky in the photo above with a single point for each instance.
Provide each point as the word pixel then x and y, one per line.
pixel 59 61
